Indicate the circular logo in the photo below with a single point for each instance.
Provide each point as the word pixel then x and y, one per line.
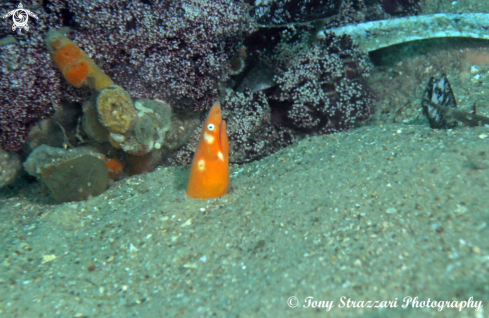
pixel 293 302
pixel 20 17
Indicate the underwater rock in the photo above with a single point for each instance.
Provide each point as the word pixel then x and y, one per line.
pixel 60 130
pixel 146 162
pixel 182 138
pixel 76 179
pixel 183 125
pixel 153 120
pixel 158 114
pixel 10 167
pixel 70 175
pixel 75 65
pixel 90 123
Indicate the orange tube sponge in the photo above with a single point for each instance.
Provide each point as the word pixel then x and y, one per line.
pixel 75 65
pixel 76 72
pixel 66 54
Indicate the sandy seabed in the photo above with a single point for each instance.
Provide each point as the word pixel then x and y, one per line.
pixel 377 213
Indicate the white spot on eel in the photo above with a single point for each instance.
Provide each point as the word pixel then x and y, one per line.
pixel 209 138
pixel 201 164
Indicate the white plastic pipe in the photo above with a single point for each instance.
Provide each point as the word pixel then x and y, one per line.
pixel 374 35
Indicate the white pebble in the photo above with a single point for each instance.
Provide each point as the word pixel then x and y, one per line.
pixel 132 248
pixel 391 211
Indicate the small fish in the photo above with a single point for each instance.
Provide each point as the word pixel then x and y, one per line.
pixel 209 175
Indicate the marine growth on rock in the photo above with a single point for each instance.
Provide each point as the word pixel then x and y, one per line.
pixel 179 51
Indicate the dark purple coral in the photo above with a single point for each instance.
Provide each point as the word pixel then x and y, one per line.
pixel 333 12
pixel 318 89
pixel 279 12
pixel 23 85
pixel 251 131
pixel 249 128
pixel 179 50
pixel 30 88
pixel 400 7
pixel 319 83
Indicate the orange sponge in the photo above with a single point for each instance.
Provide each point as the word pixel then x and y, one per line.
pixel 115 167
pixel 75 65
pixel 67 54
pixel 76 72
